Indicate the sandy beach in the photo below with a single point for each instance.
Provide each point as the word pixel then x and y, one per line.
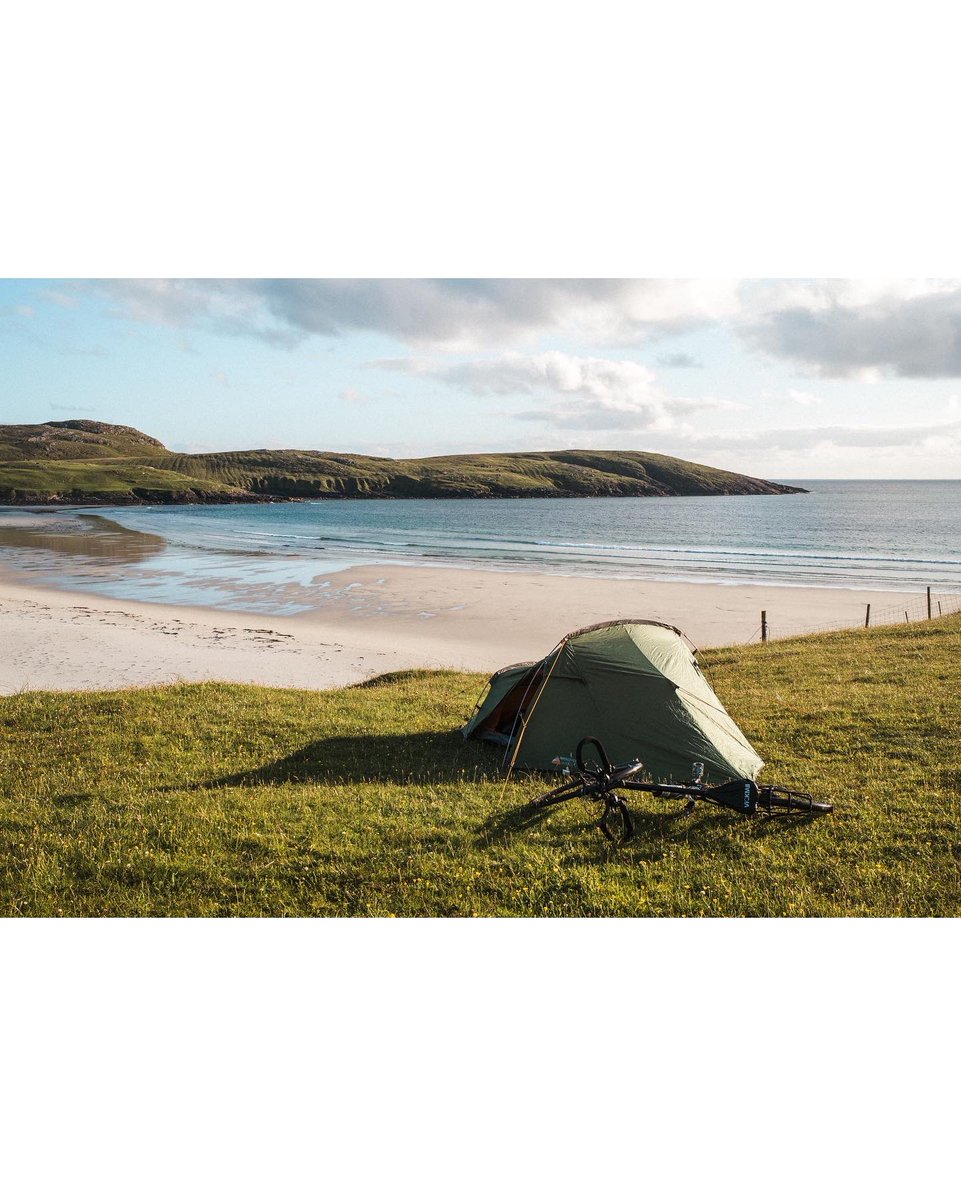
pixel 377 619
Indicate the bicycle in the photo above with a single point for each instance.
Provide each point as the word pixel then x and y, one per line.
pixel 598 781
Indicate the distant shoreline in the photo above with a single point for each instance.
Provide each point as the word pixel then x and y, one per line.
pixel 336 497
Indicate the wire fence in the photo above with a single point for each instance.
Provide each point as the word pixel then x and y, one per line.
pixel 929 605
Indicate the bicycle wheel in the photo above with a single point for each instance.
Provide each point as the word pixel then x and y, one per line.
pixel 616 822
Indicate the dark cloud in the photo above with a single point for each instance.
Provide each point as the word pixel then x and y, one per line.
pixel 443 312
pixel 833 328
pixel 235 307
pixel 470 312
pixel 679 360
pixel 915 336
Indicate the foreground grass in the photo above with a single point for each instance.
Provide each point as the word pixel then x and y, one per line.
pixel 214 800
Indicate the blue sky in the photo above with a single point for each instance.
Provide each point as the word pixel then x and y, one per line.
pixel 786 379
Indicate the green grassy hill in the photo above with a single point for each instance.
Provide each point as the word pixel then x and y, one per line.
pixel 56 440
pixel 75 462
pixel 212 799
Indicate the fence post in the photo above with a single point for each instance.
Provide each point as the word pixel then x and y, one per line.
pixel 929 604
pixel 906 621
pixel 763 624
pixel 940 613
pixel 867 617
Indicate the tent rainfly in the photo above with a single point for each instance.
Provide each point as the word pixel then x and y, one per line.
pixel 635 685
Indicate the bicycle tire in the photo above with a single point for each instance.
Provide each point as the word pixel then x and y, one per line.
pixel 617 823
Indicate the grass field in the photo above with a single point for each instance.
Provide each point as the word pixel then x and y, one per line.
pixel 217 800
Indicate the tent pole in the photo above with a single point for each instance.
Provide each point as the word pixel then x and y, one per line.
pixel 526 720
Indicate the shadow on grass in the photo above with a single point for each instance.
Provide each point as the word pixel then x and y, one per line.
pixel 502 826
pixel 71 799
pixel 705 828
pixel 433 757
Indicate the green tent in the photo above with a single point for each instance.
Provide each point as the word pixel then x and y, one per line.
pixel 635 685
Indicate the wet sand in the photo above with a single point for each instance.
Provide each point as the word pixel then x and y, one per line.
pixel 375 619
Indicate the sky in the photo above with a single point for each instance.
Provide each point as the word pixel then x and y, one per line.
pixel 786 379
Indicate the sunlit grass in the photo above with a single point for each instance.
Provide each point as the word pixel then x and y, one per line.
pixel 226 800
pixel 104 480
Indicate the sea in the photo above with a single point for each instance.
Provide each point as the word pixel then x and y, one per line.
pixel 888 535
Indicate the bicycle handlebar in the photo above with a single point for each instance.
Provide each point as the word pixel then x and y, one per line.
pixel 579 755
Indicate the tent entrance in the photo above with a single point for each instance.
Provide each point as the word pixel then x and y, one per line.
pixel 506 717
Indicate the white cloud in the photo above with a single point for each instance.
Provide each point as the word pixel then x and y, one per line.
pixel 916 451
pixel 578 393
pixel 63 298
pixel 760 296
pixel 805 399
pixel 354 395
pixel 938 438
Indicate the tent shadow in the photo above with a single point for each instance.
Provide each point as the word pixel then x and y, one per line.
pixel 433 757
